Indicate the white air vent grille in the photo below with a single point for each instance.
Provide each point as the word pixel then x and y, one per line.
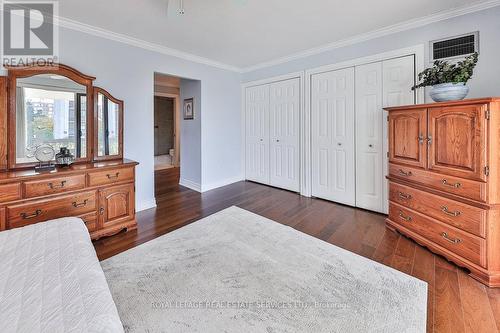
pixel 454 47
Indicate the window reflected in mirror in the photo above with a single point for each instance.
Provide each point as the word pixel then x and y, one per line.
pixel 108 126
pixel 50 109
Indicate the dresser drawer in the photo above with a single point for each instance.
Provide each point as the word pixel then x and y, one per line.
pixel 111 176
pixel 459 215
pixel 43 187
pixel 459 242
pixel 43 210
pixel 90 221
pixel 10 192
pixel 458 186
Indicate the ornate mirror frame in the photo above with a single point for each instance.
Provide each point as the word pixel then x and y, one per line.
pixel 18 72
pixel 97 91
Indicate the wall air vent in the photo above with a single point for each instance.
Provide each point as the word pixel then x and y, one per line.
pixel 455 47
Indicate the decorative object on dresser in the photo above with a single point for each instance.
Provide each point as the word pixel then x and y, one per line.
pixel 444 174
pixel 44 154
pixel 58 107
pixel 64 157
pixel 448 80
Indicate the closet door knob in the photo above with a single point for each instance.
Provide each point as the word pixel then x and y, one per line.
pixel 277 140
pixel 261 139
pixel 339 144
pixel 371 146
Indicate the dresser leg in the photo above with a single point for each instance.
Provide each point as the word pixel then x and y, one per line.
pixel 390 227
pixel 131 228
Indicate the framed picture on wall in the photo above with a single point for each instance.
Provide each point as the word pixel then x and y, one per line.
pixel 189 109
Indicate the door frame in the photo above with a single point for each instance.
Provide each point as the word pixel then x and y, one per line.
pixel 177 124
pixel 270 80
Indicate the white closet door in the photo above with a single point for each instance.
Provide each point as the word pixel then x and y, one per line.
pixel 399 77
pixel 285 134
pixel 332 117
pixel 369 138
pixel 257 134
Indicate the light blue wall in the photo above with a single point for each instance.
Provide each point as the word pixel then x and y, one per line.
pixel 486 81
pixel 191 133
pixel 127 72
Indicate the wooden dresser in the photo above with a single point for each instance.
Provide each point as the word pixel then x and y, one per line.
pixel 56 108
pixel 102 194
pixel 444 173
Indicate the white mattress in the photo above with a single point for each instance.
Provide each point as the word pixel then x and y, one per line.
pixel 51 281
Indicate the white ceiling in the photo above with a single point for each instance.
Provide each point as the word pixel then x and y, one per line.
pixel 244 33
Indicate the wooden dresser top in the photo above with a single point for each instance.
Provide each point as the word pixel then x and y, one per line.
pixel 17 175
pixel 447 104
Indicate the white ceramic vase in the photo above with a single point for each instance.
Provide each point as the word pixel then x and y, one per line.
pixel 449 92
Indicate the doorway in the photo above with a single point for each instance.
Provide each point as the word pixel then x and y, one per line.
pixel 166 133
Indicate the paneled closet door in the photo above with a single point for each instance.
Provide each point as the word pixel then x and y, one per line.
pixel 369 137
pixel 332 127
pixel 399 77
pixel 285 134
pixel 257 134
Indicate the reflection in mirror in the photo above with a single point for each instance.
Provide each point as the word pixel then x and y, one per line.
pixel 108 126
pixel 50 109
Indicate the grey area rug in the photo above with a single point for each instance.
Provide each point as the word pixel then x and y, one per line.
pixel 236 271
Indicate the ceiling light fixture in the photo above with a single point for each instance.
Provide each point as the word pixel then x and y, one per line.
pixel 180 10
pixel 181 7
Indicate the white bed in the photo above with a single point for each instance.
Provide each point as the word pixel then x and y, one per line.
pixel 51 281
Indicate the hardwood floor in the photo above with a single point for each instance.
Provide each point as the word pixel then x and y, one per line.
pixel 166 180
pixel 456 302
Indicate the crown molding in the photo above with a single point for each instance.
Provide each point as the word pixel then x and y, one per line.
pixel 117 37
pixel 399 27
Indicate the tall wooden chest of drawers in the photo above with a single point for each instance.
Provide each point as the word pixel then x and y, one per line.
pixel 444 181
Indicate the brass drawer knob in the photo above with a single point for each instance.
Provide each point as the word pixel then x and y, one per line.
pixel 27 216
pixel 445 210
pixel 455 185
pixel 421 139
pixel 404 173
pixel 451 240
pixel 404 196
pixel 405 218
pixel 82 204
pixel 115 176
pixel 57 186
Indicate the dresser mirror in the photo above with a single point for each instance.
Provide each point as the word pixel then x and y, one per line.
pixel 109 125
pixel 50 110
pixel 58 107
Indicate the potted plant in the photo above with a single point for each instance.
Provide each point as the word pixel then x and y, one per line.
pixel 447 79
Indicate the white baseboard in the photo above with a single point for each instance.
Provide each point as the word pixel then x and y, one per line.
pixel 222 183
pixel 204 188
pixel 190 184
pixel 146 204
